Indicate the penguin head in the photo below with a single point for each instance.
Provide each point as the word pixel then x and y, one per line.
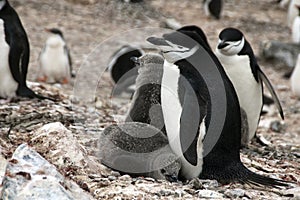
pixel 3 3
pixel 231 41
pixel 55 31
pixel 147 59
pixel 57 38
pixel 175 46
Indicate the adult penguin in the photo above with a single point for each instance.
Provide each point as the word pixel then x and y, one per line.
pixel 193 98
pixel 14 52
pixel 240 64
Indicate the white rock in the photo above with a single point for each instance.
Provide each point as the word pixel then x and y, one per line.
pixel 30 176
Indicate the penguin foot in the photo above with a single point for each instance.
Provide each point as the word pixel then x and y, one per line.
pixel 42 79
pixel 65 81
pixel 28 93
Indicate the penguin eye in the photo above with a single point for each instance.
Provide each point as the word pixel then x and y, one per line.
pixel 180 47
pixel 163 171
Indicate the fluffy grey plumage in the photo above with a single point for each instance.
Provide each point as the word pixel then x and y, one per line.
pixel 138 149
pixel 145 106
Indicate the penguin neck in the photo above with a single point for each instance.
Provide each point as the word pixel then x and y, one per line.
pixel 55 42
pixel 174 56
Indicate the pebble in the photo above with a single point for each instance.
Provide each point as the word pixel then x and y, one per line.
pixel 112 178
pixel 235 193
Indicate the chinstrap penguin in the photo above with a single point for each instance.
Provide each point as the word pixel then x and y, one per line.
pixel 190 91
pixel 55 59
pixel 14 54
pixel 213 8
pixel 123 70
pixel 138 149
pixel 240 64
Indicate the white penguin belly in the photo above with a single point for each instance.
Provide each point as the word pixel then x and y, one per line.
pixel 172 110
pixel 295 78
pixel 8 86
pixel 296 30
pixel 54 64
pixel 248 90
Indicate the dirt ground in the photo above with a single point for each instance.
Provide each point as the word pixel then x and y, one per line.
pixel 87 29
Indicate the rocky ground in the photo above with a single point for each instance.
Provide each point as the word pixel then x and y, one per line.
pixel 93 31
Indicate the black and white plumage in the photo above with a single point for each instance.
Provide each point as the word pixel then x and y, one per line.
pixel 55 59
pixel 240 64
pixel 222 162
pixel 123 70
pixel 296 27
pixel 213 8
pixel 14 53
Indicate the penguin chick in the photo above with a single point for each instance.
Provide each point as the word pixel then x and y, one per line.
pixel 213 8
pixel 295 83
pixel 240 64
pixel 146 102
pixel 296 27
pixel 123 70
pixel 138 149
pixel 55 60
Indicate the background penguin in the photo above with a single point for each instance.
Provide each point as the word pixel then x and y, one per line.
pixel 292 12
pixel 123 70
pixel 223 161
pixel 213 8
pixel 138 149
pixel 14 53
pixel 239 62
pixel 55 60
pixel 296 27
pixel 295 79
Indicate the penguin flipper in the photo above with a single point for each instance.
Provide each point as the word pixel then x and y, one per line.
pixel 272 91
pixel 189 123
pixel 67 52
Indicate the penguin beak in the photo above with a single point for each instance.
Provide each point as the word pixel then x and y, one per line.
pixel 222 44
pixel 136 60
pixel 157 41
pixel 47 30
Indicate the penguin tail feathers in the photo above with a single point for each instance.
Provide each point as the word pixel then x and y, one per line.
pixel 260 180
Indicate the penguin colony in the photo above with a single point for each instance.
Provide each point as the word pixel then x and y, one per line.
pixel 172 90
pixel 178 95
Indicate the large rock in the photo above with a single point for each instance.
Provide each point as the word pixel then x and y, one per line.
pixel 30 176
